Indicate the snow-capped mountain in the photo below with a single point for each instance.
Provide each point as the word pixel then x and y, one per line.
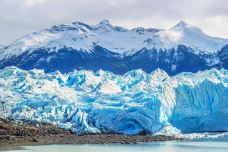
pixel 1 47
pixel 136 102
pixel 103 46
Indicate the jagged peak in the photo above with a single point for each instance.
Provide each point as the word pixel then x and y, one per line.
pixel 106 25
pixel 80 24
pixel 183 26
pixel 104 22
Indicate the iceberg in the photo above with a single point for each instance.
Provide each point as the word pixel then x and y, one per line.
pixel 102 102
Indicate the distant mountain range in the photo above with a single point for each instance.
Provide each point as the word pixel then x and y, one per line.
pixel 182 48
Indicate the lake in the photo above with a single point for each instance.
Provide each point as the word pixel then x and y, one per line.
pixel 176 146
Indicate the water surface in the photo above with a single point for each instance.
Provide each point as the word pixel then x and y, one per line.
pixel 193 146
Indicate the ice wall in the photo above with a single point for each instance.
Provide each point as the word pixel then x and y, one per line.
pixel 88 102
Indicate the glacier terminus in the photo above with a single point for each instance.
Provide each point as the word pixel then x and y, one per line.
pixel 102 102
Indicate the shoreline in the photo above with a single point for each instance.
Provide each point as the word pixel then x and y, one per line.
pixel 15 134
pixel 83 139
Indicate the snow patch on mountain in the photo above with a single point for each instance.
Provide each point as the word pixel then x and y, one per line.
pixel 88 102
pixel 195 38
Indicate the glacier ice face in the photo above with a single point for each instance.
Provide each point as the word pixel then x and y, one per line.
pixel 88 102
pixel 203 106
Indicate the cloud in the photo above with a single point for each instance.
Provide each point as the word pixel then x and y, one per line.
pixel 19 17
pixel 31 3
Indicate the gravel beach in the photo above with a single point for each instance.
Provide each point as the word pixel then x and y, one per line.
pixel 15 134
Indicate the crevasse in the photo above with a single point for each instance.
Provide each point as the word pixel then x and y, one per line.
pixel 136 102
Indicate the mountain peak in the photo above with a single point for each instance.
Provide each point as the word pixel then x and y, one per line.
pixel 104 22
pixel 107 26
pixel 183 24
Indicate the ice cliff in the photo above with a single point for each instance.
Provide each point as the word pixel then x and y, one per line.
pixel 136 102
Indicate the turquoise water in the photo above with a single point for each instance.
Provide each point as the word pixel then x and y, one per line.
pixel 202 146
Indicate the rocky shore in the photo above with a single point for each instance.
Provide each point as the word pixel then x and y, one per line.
pixel 15 134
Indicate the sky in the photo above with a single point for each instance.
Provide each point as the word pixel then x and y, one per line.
pixel 20 17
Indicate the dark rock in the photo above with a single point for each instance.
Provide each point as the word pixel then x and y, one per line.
pixel 173 61
pixel 34 140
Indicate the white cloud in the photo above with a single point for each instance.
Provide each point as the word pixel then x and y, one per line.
pixel 31 3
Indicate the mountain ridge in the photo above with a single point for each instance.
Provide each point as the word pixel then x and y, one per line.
pixel 103 46
pixel 85 31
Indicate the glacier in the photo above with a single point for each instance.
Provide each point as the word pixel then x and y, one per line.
pixel 102 102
